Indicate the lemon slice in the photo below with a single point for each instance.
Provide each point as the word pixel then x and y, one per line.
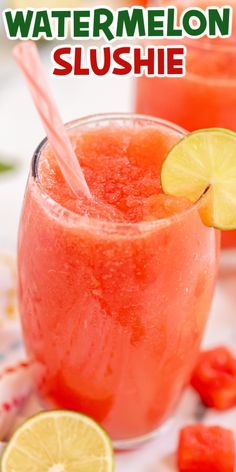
pixel 59 441
pixel 205 158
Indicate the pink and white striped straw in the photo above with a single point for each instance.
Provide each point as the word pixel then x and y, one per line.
pixel 28 59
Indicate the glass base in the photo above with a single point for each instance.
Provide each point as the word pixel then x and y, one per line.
pixel 134 443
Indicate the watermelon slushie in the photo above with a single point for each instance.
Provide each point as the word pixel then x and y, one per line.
pixel 115 291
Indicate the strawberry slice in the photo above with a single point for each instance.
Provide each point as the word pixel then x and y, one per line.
pixel 214 378
pixel 206 449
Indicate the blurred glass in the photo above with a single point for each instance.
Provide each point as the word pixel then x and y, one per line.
pixel 206 96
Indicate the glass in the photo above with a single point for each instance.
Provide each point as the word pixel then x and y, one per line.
pixel 113 314
pixel 206 96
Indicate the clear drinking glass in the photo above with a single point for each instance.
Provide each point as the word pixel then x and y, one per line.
pixel 113 314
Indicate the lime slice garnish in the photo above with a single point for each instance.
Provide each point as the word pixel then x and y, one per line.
pixel 205 158
pixel 59 441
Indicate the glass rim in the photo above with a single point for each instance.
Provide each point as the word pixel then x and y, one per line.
pixel 60 212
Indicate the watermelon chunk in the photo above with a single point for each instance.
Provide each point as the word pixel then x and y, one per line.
pixel 206 449
pixel 214 378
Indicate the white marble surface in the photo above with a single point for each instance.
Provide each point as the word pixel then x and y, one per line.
pixel 20 132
